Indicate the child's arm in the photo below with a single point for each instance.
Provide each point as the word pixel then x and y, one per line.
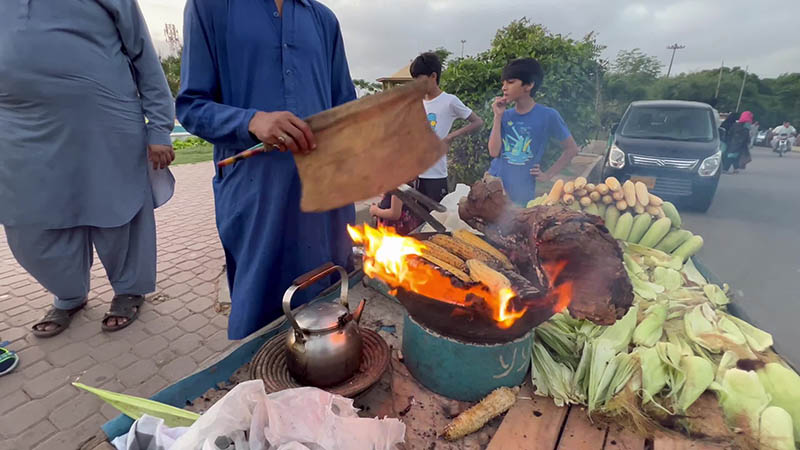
pixel 569 151
pixel 392 213
pixel 475 124
pixel 496 137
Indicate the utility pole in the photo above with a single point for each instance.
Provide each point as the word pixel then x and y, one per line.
pixel 741 91
pixel 462 47
pixel 719 80
pixel 674 47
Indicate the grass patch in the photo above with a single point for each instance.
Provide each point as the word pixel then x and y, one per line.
pixel 190 155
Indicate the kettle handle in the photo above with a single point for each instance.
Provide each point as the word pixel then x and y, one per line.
pixel 308 279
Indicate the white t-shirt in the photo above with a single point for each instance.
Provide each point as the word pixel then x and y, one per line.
pixel 442 112
pixel 790 130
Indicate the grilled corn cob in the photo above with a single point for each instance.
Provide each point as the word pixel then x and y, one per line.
pixel 568 199
pixel 585 201
pixel 613 184
pixel 618 195
pixel 463 250
pixel 629 190
pixel 555 192
pixel 481 244
pixel 581 192
pixel 580 182
pixel 440 253
pixel 602 189
pixel 460 274
pixel 642 196
pixel 482 273
pixel 473 419
pixel 569 187
pixel 590 187
pixel 607 199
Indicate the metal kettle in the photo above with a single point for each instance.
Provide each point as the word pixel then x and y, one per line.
pixel 324 346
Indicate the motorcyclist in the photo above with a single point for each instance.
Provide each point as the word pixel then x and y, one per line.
pixel 784 130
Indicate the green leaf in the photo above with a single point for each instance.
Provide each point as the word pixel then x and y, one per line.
pixel 136 407
pixel 716 295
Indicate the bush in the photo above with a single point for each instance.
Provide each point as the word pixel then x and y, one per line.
pixel 190 142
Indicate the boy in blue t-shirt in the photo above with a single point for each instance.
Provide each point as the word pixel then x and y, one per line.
pixel 519 136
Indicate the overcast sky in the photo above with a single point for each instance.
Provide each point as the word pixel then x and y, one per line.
pixel 382 36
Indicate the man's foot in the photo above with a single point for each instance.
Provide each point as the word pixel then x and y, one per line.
pixel 55 321
pixel 124 310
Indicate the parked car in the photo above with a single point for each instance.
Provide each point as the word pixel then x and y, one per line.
pixel 673 147
pixel 762 138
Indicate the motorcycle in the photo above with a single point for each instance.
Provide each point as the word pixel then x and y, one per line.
pixel 782 145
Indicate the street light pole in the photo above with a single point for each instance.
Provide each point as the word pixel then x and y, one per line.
pixel 674 47
pixel 462 47
pixel 719 80
pixel 741 91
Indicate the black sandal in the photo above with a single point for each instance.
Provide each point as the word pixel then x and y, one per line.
pixel 60 317
pixel 125 307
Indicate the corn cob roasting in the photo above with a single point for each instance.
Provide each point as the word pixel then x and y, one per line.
pixel 473 419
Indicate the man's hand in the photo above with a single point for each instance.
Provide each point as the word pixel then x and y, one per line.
pixel 499 106
pixel 448 140
pixel 160 155
pixel 536 171
pixel 282 130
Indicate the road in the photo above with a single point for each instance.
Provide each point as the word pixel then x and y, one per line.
pixel 752 242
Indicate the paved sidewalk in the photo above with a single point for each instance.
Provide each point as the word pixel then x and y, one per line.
pixel 177 331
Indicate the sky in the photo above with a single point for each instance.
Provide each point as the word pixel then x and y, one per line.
pixel 382 36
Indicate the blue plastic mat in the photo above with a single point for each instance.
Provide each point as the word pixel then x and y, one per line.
pixel 193 386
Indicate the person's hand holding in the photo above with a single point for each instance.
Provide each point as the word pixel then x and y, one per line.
pixel 160 155
pixel 499 106
pixel 536 171
pixel 447 141
pixel 373 210
pixel 282 130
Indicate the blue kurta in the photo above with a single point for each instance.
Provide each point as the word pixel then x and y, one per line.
pixel 243 56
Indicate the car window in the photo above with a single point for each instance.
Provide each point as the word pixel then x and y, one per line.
pixel 682 124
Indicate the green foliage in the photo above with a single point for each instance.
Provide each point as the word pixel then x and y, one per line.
pixel 636 62
pixel 572 69
pixel 172 69
pixel 367 87
pixel 189 142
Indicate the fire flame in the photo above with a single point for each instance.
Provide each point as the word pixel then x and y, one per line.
pixel 388 256
pixel 563 291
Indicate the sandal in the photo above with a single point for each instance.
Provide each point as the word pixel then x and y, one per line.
pixel 123 306
pixel 60 317
pixel 8 359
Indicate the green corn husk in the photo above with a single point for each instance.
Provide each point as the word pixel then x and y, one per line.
pixel 654 258
pixel 559 341
pixel 551 379
pixel 699 376
pixel 626 366
pixel 136 407
pixel 728 361
pixel 758 340
pixel 716 295
pixel 621 332
pixel 668 278
pixel 776 432
pixel 701 330
pixel 670 355
pixel 645 289
pixel 650 329
pixel 783 384
pixel 743 399
pixel 604 362
pixel 693 275
pixel 654 373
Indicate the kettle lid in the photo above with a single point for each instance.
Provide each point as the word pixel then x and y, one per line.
pixel 320 316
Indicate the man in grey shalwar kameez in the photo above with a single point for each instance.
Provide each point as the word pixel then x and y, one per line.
pixel 77 79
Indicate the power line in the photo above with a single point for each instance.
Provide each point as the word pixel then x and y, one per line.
pixel 674 47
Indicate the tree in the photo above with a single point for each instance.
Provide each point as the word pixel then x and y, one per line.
pixel 172 63
pixel 365 87
pixel 571 71
pixel 636 62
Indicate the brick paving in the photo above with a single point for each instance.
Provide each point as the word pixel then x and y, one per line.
pixel 178 330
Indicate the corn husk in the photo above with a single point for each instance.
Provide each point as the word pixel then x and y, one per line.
pixel 699 376
pixel 783 385
pixel 743 399
pixel 776 432
pixel 693 275
pixel 716 295
pixel 669 279
pixel 550 378
pixel 136 407
pixel 650 329
pixel 654 373
pixel 759 340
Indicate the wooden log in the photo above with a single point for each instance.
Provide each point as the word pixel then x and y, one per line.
pixel 580 433
pixel 533 422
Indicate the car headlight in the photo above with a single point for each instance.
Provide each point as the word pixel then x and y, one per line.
pixel 710 165
pixel 616 157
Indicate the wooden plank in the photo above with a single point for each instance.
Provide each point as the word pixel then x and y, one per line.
pixel 681 443
pixel 425 415
pixel 533 422
pixel 618 438
pixel 580 433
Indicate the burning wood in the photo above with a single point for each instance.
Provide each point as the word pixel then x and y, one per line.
pixel 569 251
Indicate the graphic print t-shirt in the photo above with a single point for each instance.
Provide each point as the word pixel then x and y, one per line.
pixel 442 112
pixel 525 138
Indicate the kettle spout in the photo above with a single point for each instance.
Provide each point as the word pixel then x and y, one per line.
pixel 359 310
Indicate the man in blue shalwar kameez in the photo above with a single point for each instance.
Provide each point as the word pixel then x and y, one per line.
pixel 77 80
pixel 251 69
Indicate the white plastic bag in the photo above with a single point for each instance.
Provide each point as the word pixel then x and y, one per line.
pixel 450 218
pixel 294 419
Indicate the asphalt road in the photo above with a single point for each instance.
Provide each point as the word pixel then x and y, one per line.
pixel 752 242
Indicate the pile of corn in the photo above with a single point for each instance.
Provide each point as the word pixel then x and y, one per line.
pixel 676 342
pixel 631 213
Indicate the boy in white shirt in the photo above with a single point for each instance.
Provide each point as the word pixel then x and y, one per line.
pixel 442 109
